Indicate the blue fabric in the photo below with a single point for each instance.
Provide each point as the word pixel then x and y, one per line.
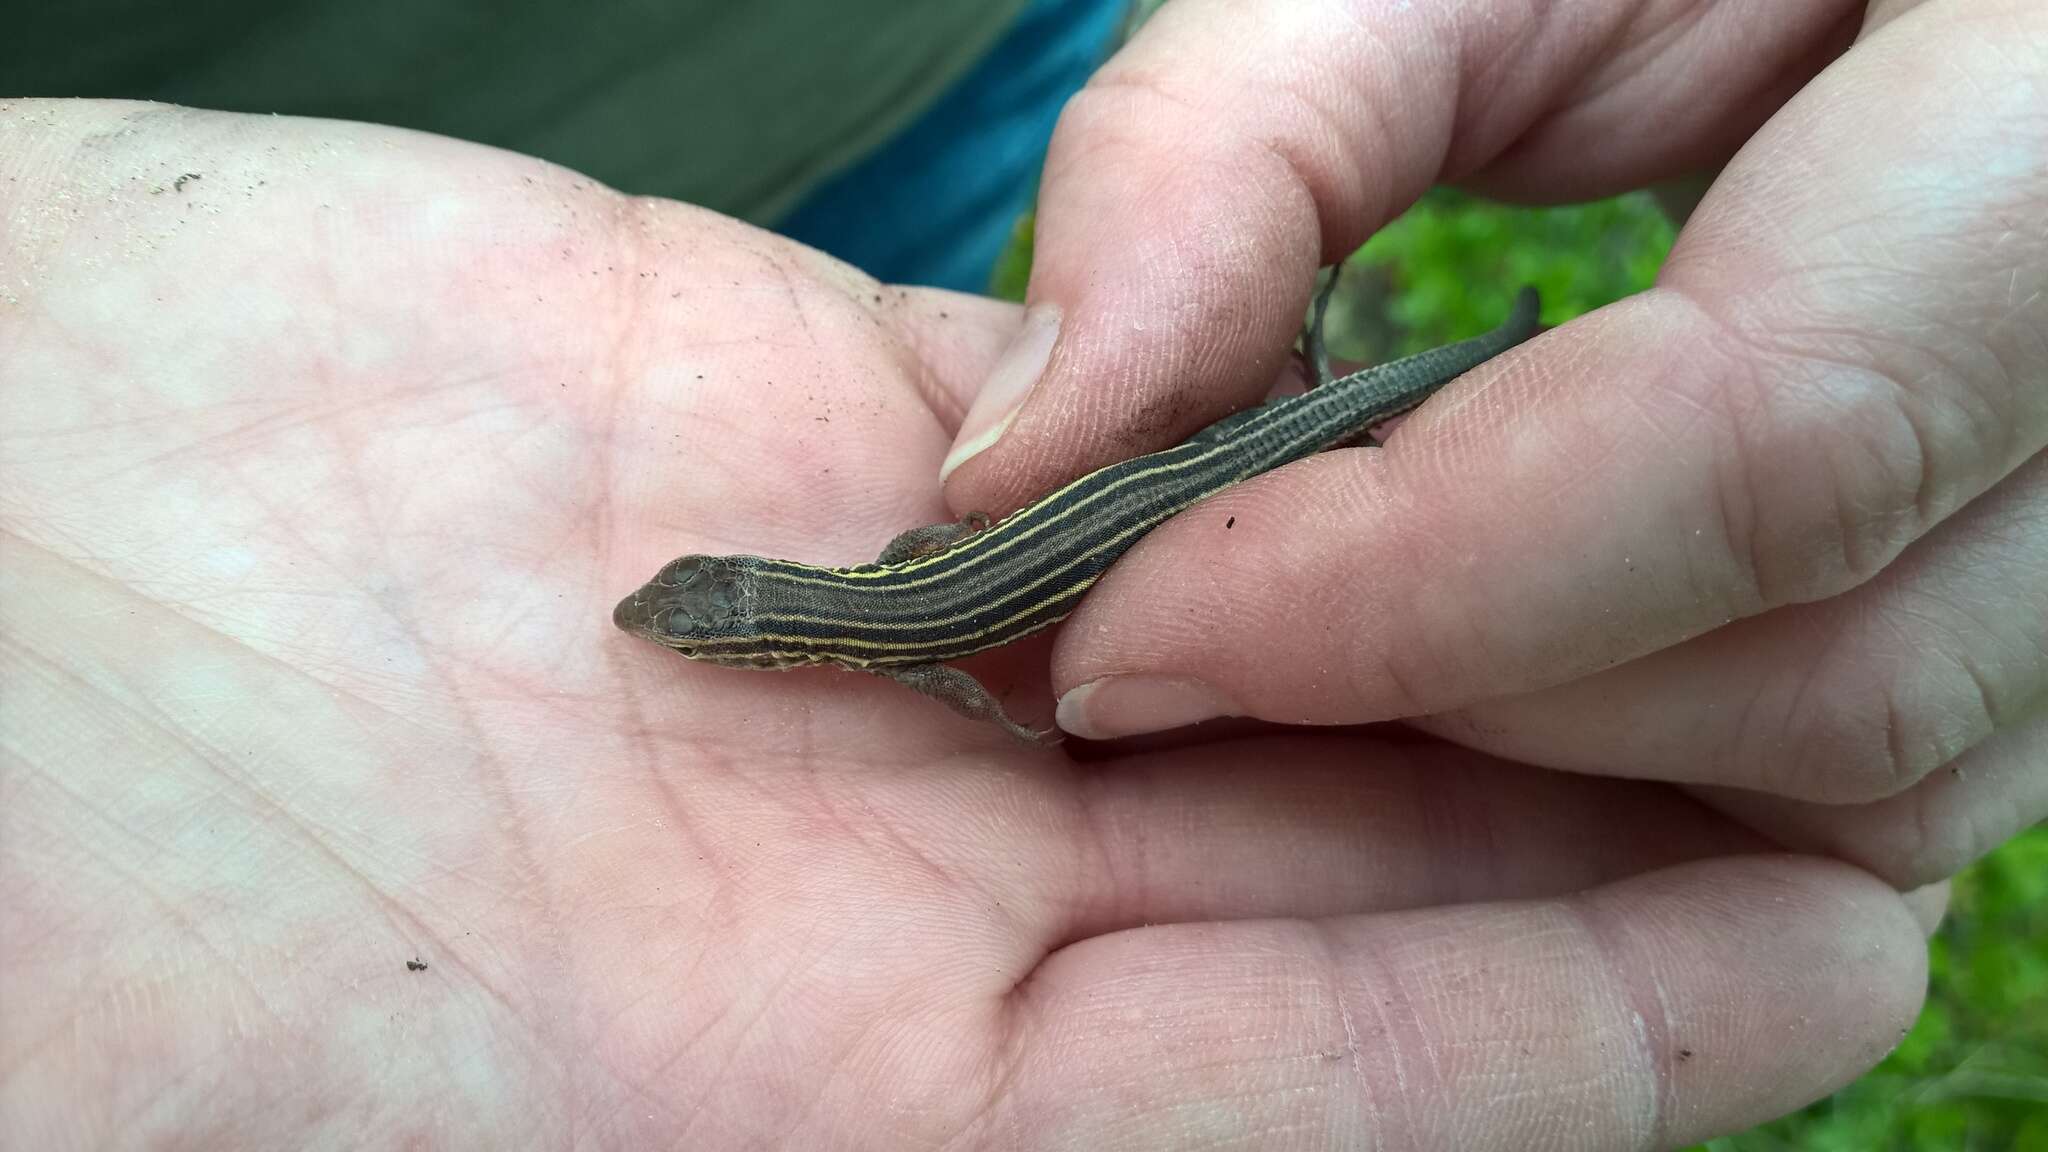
pixel 936 204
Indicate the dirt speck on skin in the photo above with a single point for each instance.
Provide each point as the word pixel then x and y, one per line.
pixel 117 158
pixel 415 965
pixel 1153 420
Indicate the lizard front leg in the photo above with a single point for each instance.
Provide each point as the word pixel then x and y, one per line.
pixel 931 538
pixel 965 695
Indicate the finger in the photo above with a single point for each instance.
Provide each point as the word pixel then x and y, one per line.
pixel 1194 185
pixel 1771 428
pixel 1850 699
pixel 1928 905
pixel 1645 1014
pixel 1927 833
pixel 1275 826
pixel 1330 825
pixel 953 340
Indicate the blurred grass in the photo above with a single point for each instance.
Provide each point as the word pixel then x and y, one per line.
pixel 1451 264
pixel 1972 1075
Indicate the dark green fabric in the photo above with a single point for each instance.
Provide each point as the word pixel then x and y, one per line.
pixel 738 106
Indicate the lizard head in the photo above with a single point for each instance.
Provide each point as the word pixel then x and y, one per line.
pixel 691 601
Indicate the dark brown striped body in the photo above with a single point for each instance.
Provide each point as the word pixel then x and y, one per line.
pixel 1026 572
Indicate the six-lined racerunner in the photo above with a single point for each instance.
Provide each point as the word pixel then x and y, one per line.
pixel 946 591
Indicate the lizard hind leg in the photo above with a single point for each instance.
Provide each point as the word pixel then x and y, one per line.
pixel 965 695
pixel 1312 348
pixel 1317 353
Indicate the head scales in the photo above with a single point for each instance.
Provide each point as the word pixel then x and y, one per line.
pixel 693 599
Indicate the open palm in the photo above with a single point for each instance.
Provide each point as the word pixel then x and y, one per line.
pixel 336 812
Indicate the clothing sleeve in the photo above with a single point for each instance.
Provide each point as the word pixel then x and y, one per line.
pixel 740 107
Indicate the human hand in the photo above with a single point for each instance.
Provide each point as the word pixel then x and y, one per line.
pixel 1777 528
pixel 329 449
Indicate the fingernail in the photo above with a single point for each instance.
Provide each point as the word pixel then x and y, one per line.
pixel 1019 367
pixel 1128 705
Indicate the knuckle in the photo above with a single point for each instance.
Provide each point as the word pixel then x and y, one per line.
pixel 1869 726
pixel 1827 483
pixel 1846 446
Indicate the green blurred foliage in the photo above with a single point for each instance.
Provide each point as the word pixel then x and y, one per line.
pixel 1972 1075
pixel 1013 268
pixel 1449 266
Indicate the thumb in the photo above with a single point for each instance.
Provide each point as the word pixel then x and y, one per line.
pixel 1196 183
